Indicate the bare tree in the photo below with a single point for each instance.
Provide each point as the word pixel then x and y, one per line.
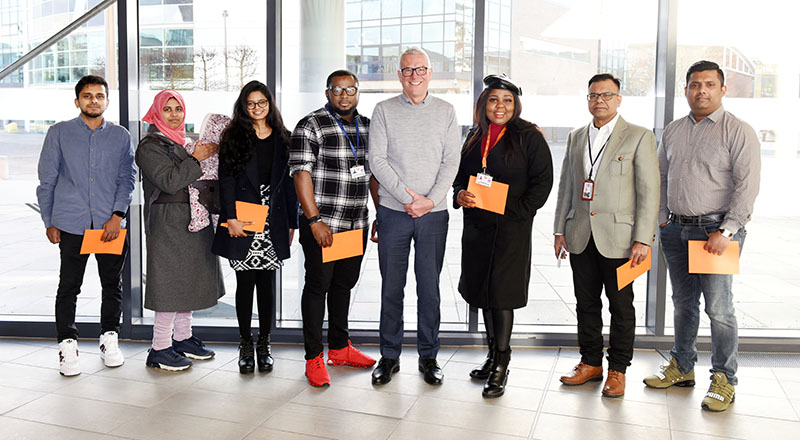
pixel 98 67
pixel 170 68
pixel 205 62
pixel 245 60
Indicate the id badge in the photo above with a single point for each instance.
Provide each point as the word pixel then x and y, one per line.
pixel 484 179
pixel 357 171
pixel 588 190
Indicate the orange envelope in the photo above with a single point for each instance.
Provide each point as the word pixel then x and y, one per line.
pixel 92 245
pixel 492 198
pixel 700 261
pixel 626 274
pixel 345 245
pixel 251 212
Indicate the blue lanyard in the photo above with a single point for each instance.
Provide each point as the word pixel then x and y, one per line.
pixel 358 138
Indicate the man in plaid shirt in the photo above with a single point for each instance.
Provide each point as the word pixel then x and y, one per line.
pixel 328 161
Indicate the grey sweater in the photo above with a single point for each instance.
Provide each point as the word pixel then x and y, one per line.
pixel 416 147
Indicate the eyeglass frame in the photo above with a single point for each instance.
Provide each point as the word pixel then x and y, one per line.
pixel 605 96
pixel 251 105
pixel 411 71
pixel 344 90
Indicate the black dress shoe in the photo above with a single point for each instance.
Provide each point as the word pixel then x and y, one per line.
pixel 382 374
pixel 264 354
pixel 431 372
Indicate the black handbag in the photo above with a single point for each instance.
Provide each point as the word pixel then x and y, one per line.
pixel 209 195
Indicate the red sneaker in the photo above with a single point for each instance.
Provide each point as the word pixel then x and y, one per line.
pixel 316 372
pixel 350 356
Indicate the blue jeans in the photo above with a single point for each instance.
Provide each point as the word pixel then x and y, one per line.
pixel 396 229
pixel 686 290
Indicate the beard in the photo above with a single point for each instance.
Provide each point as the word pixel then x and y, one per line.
pixel 341 111
pixel 96 114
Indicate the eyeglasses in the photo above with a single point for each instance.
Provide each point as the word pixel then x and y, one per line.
pixel 596 96
pixel 252 105
pixel 408 71
pixel 337 91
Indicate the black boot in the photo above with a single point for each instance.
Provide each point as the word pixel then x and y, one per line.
pixel 483 370
pixel 496 384
pixel 264 353
pixel 247 363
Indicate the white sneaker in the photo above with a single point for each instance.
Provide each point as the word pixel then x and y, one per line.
pixel 109 349
pixel 68 364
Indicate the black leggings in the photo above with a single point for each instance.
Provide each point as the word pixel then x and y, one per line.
pixel 498 327
pixel 262 281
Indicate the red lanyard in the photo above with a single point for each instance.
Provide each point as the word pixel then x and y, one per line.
pixel 487 147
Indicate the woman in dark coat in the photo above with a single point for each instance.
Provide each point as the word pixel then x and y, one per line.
pixel 182 273
pixel 496 249
pixel 254 154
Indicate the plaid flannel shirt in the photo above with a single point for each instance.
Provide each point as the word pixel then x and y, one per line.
pixel 320 147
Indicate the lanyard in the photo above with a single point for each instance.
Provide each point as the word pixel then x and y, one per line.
pixel 487 148
pixel 594 161
pixel 358 138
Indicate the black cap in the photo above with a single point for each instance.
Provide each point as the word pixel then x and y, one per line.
pixel 502 82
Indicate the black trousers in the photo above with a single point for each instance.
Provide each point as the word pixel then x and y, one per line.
pixel 73 267
pixel 591 272
pixel 263 282
pixel 334 280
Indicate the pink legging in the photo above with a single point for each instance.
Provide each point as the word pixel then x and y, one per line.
pixel 163 328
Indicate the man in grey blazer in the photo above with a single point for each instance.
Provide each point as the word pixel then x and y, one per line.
pixel 606 214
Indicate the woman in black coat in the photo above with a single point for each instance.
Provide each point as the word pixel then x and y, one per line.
pixel 253 154
pixel 496 249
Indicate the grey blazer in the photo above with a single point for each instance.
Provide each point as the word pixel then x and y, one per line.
pixel 626 196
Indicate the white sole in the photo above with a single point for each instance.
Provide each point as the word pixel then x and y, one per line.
pixel 167 367
pixel 196 357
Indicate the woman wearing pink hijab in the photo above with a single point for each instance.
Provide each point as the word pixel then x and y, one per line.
pixel 182 273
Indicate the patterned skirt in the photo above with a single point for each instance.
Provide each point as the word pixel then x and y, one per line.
pixel 261 254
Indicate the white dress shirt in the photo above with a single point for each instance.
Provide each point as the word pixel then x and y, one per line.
pixel 598 138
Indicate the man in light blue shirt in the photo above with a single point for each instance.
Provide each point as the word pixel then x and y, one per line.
pixel 86 181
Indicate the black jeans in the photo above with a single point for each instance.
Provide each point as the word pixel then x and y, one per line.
pixel 73 267
pixel 590 273
pixel 335 279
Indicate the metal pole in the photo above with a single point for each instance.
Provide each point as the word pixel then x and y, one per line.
pixel 128 37
pixel 225 43
pixel 78 22
pixel 666 52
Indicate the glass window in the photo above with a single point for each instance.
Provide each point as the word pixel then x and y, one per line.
pixel 207 61
pixel 376 64
pixel 412 7
pixel 371 35
pixel 432 32
pixel 30 262
pixel 371 10
pixel 390 35
pixel 391 8
pixel 552 49
pixel 762 90
pixel 431 7
pixel 179 37
pixel 412 34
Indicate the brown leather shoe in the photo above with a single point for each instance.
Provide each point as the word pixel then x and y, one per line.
pixel 615 384
pixel 581 374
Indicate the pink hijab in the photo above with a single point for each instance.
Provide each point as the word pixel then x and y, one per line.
pixel 153 116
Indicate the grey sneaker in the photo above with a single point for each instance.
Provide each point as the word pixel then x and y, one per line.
pixel 720 394
pixel 670 375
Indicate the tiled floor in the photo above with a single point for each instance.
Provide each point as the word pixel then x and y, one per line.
pixel 213 401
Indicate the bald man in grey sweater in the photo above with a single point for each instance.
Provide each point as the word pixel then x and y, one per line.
pixel 414 152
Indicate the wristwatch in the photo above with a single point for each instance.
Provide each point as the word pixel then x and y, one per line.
pixel 313 220
pixel 726 233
